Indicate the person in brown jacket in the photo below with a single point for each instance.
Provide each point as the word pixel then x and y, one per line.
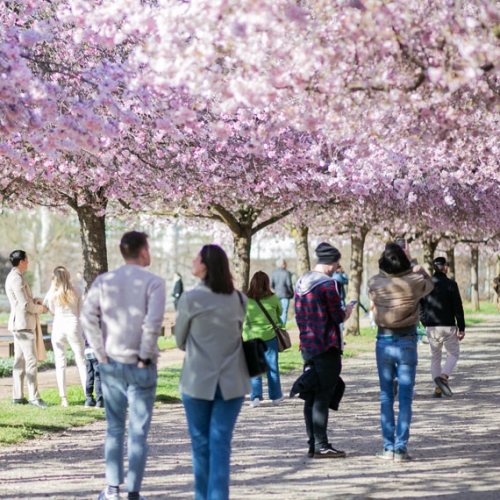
pixel 395 293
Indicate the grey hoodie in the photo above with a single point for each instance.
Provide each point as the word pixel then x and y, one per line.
pixel 309 281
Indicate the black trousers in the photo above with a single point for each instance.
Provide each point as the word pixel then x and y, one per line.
pixel 328 367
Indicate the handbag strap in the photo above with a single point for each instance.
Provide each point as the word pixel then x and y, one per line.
pixel 273 324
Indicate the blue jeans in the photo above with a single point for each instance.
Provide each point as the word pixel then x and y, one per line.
pixel 211 425
pixel 284 315
pixel 126 385
pixel 273 375
pixel 396 358
pixel 328 367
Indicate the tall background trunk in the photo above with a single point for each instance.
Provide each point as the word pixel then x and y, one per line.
pixel 300 236
pixel 474 273
pixel 429 251
pixel 241 257
pixel 450 259
pixel 355 279
pixel 93 236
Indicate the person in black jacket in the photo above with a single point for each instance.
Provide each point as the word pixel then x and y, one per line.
pixel 177 288
pixel 442 313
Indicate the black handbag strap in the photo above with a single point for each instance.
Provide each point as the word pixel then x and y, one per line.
pixel 244 309
pixel 259 303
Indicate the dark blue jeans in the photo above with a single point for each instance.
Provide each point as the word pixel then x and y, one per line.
pixel 93 379
pixel 273 375
pixel 328 366
pixel 211 425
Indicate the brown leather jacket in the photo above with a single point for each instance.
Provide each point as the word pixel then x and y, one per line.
pixel 396 296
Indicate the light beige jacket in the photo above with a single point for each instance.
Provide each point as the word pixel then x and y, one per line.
pixel 208 328
pixel 395 297
pixel 23 310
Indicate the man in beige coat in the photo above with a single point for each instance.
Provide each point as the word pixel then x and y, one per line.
pixel 22 324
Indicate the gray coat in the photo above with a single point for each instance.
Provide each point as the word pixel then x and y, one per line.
pixel 208 328
pixel 23 310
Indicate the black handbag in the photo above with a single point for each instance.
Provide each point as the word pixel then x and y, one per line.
pixel 284 341
pixel 254 350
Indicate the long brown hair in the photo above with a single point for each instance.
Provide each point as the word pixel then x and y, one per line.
pixel 218 277
pixel 259 286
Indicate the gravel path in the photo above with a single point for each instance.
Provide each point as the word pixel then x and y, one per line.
pixel 455 444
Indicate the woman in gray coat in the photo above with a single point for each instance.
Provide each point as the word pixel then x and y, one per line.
pixel 214 378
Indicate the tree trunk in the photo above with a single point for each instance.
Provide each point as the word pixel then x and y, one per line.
pixel 241 258
pixel 300 236
pixel 450 259
pixel 93 236
pixel 355 279
pixel 429 251
pixel 474 272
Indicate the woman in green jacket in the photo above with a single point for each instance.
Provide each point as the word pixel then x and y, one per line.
pixel 258 326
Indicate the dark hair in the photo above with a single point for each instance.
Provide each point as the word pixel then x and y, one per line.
pixel 394 260
pixel 17 256
pixel 259 286
pixel 218 277
pixel 132 243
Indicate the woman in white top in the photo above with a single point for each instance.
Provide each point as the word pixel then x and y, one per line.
pixel 64 301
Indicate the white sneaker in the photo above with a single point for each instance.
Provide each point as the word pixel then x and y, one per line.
pixel 276 402
pixel 254 403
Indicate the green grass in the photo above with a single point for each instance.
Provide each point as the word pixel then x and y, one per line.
pixel 21 422
pixel 485 308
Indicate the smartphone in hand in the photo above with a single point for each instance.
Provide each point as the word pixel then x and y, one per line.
pixel 353 303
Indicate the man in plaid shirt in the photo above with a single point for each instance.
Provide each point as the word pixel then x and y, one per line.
pixel 319 313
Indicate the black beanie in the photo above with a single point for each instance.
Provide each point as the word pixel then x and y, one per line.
pixel 327 254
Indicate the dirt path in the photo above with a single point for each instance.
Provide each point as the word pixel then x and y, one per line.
pixel 455 444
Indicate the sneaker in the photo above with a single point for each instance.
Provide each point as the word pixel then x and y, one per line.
pixel 39 402
pixel 254 403
pixel 329 451
pixel 99 403
pixel 106 495
pixel 442 383
pixel 437 393
pixel 276 402
pixel 90 402
pixel 385 454
pixel 401 456
pixel 64 402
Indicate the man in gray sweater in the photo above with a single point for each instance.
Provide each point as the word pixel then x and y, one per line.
pixel 122 318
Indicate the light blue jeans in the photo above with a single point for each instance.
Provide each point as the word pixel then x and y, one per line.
pixel 396 357
pixel 211 425
pixel 284 315
pixel 273 375
pixel 126 385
